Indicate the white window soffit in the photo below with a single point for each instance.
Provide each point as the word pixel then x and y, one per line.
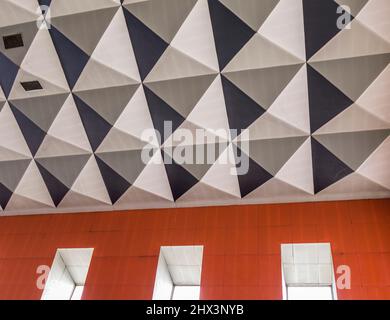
pixel 307 264
pixel 69 269
pixel 77 262
pixel 184 264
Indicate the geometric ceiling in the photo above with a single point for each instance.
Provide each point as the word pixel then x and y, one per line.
pixel 302 105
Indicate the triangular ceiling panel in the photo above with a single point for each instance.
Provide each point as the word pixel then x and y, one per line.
pixel 325 99
pixel 174 65
pixel 354 185
pixel 327 168
pixel 357 40
pixel 284 27
pixel 71 7
pixel 376 99
pixel 28 30
pixel 16 12
pixel 274 190
pixel 96 75
pixel 354 119
pixel 148 46
pixel 254 13
pixel 110 102
pixel 184 93
pixel 376 166
pixel 320 20
pixel 248 81
pixel 68 127
pixel 42 61
pixel 353 148
pixel 372 16
pixel 260 53
pixel 230 32
pixel 272 154
pixel 298 171
pixel 353 6
pixel 115 49
pixel 85 29
pixel 292 105
pixel 200 45
pixel 353 75
pixel 31 187
pixel 164 17
pixel 11 137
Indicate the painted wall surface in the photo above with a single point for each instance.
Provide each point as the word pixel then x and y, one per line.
pixel 241 247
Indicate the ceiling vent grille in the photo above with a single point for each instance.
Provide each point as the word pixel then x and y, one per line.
pixel 31 85
pixel 13 41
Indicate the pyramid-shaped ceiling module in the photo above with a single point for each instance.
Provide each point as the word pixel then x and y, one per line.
pixel 163 103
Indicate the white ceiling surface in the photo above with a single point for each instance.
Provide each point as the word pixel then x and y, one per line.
pixel 292 183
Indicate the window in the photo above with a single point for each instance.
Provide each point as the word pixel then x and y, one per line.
pixel 77 293
pixel 13 41
pixel 67 275
pixel 307 272
pixel 186 293
pixel 178 273
pixel 310 293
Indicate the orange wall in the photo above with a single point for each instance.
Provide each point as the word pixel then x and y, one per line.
pixel 241 247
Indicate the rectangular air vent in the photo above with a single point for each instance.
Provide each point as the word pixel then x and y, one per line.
pixel 31 85
pixel 13 41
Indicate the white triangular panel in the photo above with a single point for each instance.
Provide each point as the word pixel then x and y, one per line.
pixel 284 27
pixel 135 119
pixel 154 180
pixel 292 105
pixel 260 53
pixel 10 135
pixel 210 111
pixel 90 183
pixel 198 45
pixel 42 61
pixel 376 167
pixel 223 174
pixel 174 64
pixel 376 99
pixel 32 187
pixel 298 171
pixel 115 49
pixel 67 126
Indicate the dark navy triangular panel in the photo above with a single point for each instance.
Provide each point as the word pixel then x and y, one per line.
pixel 72 58
pixel 5 195
pixel 230 32
pixel 242 111
pixel 95 126
pixel 161 112
pixel 320 21
pixel 326 101
pixel 148 46
pixel 56 188
pixel 179 178
pixel 33 134
pixel 44 2
pixel 8 73
pixel 116 185
pixel 252 178
pixel 327 168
